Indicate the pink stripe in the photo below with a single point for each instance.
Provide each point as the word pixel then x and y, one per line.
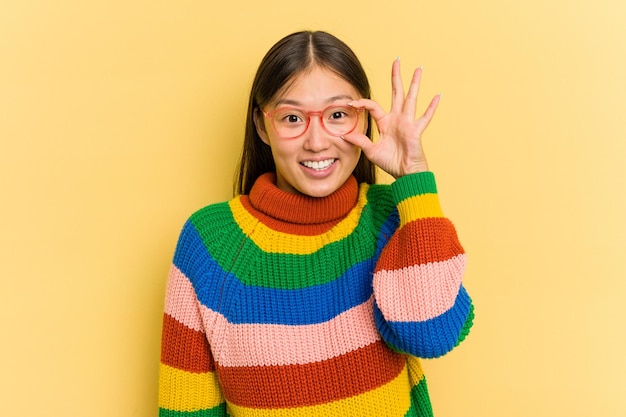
pixel 421 292
pixel 180 300
pixel 278 344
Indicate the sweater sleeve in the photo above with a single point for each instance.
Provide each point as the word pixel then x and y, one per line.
pixel 188 384
pixel 421 307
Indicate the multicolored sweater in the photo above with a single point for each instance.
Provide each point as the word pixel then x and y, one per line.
pixel 286 305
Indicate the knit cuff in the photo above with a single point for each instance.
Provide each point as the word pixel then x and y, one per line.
pixel 413 185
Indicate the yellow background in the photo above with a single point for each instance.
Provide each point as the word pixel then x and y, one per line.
pixel 120 118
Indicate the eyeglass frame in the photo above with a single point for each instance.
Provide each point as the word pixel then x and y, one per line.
pixel 320 113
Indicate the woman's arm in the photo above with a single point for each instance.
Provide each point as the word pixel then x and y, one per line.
pixel 421 306
pixel 188 385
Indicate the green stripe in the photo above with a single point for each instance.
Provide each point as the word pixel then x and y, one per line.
pixel 412 185
pixel 469 321
pixel 236 253
pixel 219 411
pixel 420 401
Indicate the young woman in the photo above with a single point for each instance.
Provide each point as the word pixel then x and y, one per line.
pixel 314 291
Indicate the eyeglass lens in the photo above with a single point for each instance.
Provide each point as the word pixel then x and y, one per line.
pixel 291 122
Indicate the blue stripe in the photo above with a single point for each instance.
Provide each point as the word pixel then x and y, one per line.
pixel 224 293
pixel 427 339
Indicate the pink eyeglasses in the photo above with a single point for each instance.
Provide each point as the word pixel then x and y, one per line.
pixel 291 122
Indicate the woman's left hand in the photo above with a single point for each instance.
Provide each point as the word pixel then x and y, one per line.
pixel 398 150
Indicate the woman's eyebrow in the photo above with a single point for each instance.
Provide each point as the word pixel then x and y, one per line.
pixel 290 102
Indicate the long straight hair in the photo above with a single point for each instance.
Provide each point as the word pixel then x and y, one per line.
pixel 288 58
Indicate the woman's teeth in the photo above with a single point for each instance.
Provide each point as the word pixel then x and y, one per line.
pixel 318 165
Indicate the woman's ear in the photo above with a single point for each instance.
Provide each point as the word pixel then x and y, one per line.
pixel 259 123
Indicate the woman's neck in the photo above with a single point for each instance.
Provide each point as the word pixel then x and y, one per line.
pixel 302 209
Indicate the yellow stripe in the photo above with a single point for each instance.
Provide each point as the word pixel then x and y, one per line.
pixel 186 391
pixel 419 207
pixel 272 241
pixel 416 374
pixel 391 399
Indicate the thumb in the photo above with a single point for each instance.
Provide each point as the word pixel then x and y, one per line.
pixel 359 140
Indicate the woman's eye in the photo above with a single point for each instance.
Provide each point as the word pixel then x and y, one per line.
pixel 337 115
pixel 288 118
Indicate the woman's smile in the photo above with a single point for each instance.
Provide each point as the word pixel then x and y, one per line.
pixel 319 165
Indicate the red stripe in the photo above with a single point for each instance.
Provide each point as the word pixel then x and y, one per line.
pixel 185 348
pixel 316 383
pixel 287 227
pixel 420 242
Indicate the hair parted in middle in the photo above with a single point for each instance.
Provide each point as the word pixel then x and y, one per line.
pixel 288 58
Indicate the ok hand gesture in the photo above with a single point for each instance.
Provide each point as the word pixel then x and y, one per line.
pixel 398 150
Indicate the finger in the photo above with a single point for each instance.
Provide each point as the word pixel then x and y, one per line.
pixel 430 111
pixel 359 140
pixel 397 89
pixel 410 105
pixel 371 106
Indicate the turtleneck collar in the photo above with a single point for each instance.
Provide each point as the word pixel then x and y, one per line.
pixel 266 197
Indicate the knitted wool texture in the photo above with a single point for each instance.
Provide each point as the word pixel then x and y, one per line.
pixel 286 305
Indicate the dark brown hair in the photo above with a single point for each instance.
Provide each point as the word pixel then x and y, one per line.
pixel 286 59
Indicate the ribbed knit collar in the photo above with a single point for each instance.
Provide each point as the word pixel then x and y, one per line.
pixel 266 197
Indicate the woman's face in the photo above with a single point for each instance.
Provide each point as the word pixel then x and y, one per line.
pixel 316 163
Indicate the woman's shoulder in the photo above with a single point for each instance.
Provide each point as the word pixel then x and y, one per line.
pixel 210 211
pixel 213 219
pixel 378 196
pixel 205 239
pixel 378 205
pixel 402 188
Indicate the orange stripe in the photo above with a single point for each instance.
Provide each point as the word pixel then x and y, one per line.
pixel 286 227
pixel 420 242
pixel 311 384
pixel 185 348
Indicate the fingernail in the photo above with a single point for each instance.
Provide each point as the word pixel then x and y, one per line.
pixel 398 58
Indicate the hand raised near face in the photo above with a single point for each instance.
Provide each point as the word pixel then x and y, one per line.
pixel 398 151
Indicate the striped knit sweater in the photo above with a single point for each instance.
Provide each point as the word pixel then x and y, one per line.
pixel 285 305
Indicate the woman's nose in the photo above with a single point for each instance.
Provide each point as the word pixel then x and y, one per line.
pixel 316 138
